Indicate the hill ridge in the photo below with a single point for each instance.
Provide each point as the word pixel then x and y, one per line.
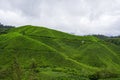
pixel 57 52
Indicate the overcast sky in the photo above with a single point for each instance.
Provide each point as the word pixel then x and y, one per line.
pixel 74 16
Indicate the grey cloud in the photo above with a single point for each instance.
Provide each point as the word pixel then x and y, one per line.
pixel 77 16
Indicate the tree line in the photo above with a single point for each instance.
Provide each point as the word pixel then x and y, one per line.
pixel 4 28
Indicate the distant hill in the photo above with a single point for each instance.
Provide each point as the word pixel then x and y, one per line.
pixel 38 53
pixel 4 28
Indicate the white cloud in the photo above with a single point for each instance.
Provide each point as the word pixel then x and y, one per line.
pixel 76 16
pixel 14 18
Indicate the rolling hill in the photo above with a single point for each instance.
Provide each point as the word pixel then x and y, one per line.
pixel 38 53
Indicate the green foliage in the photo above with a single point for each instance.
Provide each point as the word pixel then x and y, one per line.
pixel 104 74
pixel 33 71
pixel 45 54
pixel 16 70
pixel 114 41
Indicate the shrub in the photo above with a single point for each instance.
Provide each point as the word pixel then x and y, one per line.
pixel 103 75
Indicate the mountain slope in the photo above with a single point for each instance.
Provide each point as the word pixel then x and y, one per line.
pixel 56 52
pixel 31 48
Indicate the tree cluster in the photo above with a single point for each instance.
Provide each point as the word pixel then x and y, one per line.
pixel 4 28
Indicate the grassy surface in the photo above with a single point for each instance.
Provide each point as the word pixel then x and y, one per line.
pixel 38 53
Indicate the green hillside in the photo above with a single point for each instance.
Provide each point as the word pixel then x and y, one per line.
pixel 38 53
